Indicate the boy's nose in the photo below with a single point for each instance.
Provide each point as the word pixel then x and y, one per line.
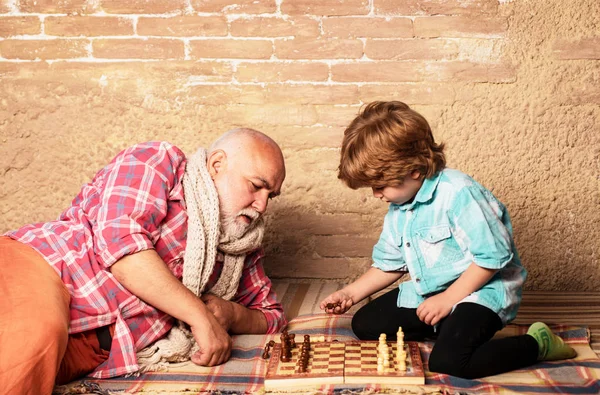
pixel 377 193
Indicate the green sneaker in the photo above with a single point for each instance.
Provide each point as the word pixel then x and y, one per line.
pixel 551 346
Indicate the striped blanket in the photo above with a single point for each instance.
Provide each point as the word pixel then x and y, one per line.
pixel 245 371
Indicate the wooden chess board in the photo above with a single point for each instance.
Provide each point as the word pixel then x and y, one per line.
pixel 342 362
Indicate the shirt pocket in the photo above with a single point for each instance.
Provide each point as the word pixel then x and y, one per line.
pixel 438 247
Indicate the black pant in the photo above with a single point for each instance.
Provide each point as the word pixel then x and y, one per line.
pixel 463 347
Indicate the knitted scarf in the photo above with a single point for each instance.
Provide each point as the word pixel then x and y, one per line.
pixel 204 239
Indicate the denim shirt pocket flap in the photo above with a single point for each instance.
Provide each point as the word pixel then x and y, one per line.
pixel 435 234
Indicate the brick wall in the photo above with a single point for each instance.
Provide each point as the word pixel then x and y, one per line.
pixel 511 87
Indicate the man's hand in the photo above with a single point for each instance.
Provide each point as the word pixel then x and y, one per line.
pixel 340 300
pixel 214 342
pixel 223 310
pixel 433 309
pixel 145 275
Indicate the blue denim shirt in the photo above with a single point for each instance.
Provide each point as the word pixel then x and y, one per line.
pixel 452 222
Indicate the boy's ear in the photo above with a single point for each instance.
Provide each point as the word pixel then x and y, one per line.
pixel 415 175
pixel 216 162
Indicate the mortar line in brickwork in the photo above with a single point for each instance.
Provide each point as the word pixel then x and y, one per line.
pixel 90 49
pixel 198 38
pixel 108 60
pixel 188 7
pixel 186 49
pixel 134 24
pixel 12 6
pixel 42 25
pixel 263 83
pixel 6 60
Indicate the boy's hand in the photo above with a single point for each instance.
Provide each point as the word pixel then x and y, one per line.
pixel 433 309
pixel 339 302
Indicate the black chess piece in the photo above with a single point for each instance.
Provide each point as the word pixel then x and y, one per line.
pixel 285 353
pixel 265 354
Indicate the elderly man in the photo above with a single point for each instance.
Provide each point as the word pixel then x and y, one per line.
pixel 158 260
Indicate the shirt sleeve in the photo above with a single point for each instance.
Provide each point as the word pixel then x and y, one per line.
pixel 133 199
pixel 387 253
pixel 482 227
pixel 256 293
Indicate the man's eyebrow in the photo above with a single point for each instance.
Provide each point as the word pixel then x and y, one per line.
pixel 268 186
pixel 265 182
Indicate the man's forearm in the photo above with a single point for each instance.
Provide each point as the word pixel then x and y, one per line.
pixel 145 275
pixel 248 321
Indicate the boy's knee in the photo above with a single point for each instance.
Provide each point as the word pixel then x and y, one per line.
pixel 444 362
pixel 358 327
pixel 362 327
pixel 440 362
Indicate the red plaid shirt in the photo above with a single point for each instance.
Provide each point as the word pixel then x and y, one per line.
pixel 133 204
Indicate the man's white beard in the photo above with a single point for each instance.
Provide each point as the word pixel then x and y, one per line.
pixel 234 227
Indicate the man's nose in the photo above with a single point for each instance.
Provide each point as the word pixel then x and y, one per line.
pixel 261 203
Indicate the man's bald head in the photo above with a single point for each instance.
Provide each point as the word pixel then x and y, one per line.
pixel 238 141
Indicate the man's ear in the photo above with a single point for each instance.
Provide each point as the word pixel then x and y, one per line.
pixel 216 162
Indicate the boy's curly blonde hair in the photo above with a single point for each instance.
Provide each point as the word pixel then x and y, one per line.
pixel 386 142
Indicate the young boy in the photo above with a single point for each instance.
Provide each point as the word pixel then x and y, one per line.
pixel 453 237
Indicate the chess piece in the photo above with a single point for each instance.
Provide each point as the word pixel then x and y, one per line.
pixel 265 354
pixel 292 338
pixel 271 343
pixel 285 354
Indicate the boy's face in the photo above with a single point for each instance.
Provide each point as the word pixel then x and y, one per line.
pixel 402 193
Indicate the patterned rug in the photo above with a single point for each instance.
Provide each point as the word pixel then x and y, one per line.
pixel 245 371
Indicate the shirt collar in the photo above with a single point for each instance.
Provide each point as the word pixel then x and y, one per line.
pixel 425 193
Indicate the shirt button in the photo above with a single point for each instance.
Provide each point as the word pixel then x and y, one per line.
pixel 408 244
pixel 418 279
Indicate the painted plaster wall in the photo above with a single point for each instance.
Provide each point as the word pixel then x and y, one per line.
pixel 513 88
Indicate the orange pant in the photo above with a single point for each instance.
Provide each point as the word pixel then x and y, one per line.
pixel 35 347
